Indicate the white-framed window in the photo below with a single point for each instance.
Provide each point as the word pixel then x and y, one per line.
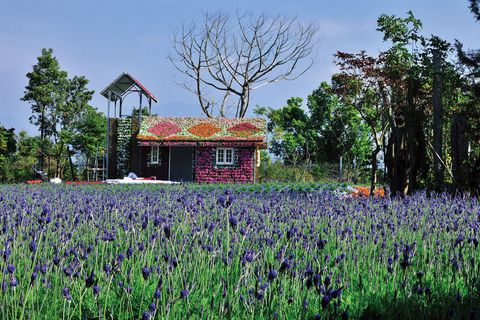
pixel 224 156
pixel 154 154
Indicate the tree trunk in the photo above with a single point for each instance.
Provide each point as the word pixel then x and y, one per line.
pixel 437 121
pixel 244 101
pixel 59 162
pixel 71 164
pixel 42 141
pixel 459 150
pixel 86 175
pixel 474 177
pixel 395 157
pixel 373 176
pixel 405 157
pixel 49 166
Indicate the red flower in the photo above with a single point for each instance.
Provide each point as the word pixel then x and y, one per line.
pixel 164 129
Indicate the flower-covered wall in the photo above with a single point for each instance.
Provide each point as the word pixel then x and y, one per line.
pixel 124 137
pixel 240 172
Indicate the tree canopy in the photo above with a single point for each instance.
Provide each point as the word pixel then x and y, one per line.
pixel 60 109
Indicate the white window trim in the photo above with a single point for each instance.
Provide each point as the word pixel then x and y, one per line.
pixel 223 151
pixel 154 150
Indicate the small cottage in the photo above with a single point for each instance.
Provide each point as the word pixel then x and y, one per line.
pixel 181 148
pixel 198 149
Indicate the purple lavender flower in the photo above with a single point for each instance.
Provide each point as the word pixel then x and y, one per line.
pixel 145 272
pixel 129 252
pixel 32 246
pixel 43 269
pixel 167 231
pixel 96 290
pixel 107 268
pixel 152 307
pixel 248 256
pixel 233 222
pixel 90 280
pixel 184 293
pixel 325 301
pixel 13 281
pixel 66 294
pixel 260 295
pixel 272 274
pixel 10 268
pixel 286 265
pixel 157 294
pixel 120 257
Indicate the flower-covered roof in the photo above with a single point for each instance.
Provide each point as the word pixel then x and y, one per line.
pixel 188 129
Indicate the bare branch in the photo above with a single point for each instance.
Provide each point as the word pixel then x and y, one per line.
pixel 235 55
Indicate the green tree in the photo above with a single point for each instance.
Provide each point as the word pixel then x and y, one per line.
pixel 57 104
pixel 360 84
pixel 339 128
pixel 72 111
pixel 422 93
pixel 26 156
pixel 89 133
pixel 7 142
pixel 405 88
pixel 292 136
pixel 475 8
pixel 466 129
pixel 45 92
pixel 8 147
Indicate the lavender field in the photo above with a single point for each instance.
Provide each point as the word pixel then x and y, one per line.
pixel 117 252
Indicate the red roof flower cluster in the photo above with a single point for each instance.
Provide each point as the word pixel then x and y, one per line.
pixel 164 129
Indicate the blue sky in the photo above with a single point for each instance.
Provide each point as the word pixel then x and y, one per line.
pixel 101 39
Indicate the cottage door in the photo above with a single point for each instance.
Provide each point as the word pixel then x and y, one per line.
pixel 181 164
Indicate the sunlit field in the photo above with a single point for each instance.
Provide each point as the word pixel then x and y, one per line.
pixel 189 252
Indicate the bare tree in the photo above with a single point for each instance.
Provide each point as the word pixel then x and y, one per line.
pixel 224 59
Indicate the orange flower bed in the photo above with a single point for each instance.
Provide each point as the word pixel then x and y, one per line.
pixel 204 130
pixel 361 191
pixel 34 181
pixel 83 182
pixel 144 137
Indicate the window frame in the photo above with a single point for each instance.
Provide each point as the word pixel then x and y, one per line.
pixel 154 150
pixel 223 153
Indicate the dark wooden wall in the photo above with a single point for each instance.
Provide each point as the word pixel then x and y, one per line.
pixel 159 170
